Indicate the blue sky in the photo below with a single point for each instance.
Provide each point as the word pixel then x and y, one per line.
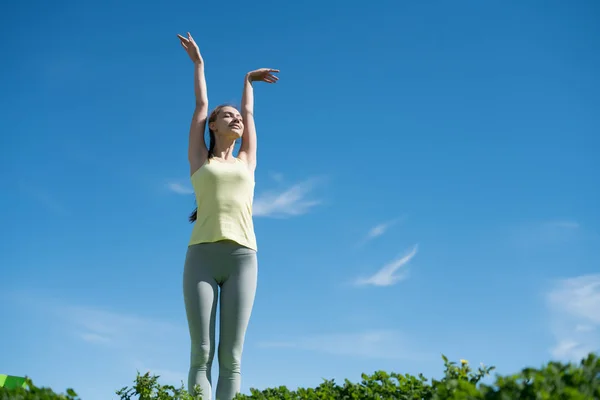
pixel 427 184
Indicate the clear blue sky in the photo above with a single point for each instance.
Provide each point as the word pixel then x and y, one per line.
pixel 462 136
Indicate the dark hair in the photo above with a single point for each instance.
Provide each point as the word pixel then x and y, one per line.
pixel 211 146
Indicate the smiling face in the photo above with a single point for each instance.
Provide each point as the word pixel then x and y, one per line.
pixel 227 121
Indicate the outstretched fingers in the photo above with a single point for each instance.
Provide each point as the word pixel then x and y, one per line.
pixel 183 41
pixel 190 47
pixel 270 78
pixel 186 40
pixel 270 75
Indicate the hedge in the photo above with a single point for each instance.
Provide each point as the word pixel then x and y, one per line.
pixel 552 381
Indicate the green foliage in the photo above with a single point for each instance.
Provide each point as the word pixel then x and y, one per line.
pixel 553 381
pixel 32 392
pixel 382 385
pixel 147 388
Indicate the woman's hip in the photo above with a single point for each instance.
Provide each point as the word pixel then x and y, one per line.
pixel 220 259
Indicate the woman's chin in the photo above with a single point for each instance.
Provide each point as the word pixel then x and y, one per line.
pixel 233 134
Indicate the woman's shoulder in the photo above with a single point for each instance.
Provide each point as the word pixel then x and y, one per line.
pixel 198 170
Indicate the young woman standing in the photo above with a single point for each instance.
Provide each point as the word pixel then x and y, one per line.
pixel 222 250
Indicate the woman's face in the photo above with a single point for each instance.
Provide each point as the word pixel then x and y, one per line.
pixel 228 123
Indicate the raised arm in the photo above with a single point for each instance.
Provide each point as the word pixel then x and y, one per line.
pixel 197 151
pixel 248 146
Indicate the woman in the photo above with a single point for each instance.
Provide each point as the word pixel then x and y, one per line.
pixel 222 249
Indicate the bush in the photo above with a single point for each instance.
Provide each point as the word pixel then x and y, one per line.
pixel 553 381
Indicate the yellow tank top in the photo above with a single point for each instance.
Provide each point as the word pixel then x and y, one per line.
pixel 224 195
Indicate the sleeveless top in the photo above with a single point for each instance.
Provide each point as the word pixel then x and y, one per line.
pixel 224 195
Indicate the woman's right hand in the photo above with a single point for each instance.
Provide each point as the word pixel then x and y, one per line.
pixel 191 48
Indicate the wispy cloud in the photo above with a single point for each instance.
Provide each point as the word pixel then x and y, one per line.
pixel 379 230
pixel 117 330
pixel 553 232
pixel 179 188
pixel 91 337
pixel 575 316
pixel 292 201
pixel 117 341
pixel 389 274
pixel 276 176
pixel 561 224
pixel 132 341
pixel 384 344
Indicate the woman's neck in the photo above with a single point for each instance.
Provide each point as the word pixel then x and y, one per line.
pixel 224 149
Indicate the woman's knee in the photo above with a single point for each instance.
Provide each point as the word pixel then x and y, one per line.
pixel 202 355
pixel 230 359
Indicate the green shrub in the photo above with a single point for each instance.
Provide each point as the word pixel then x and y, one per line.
pixel 32 392
pixel 147 388
pixel 553 381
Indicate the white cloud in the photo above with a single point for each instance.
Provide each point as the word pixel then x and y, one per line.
pixel 388 275
pixel 116 341
pixel 584 328
pixel 562 224
pixel 284 203
pixel 548 233
pixel 291 201
pixel 276 176
pixel 575 314
pixel 380 229
pixel 93 337
pixel 179 188
pixel 120 331
pixel 129 340
pixel 383 344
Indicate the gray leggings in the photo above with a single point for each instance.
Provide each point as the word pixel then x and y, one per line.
pixel 234 269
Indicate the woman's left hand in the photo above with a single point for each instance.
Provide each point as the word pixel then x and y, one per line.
pixel 263 74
